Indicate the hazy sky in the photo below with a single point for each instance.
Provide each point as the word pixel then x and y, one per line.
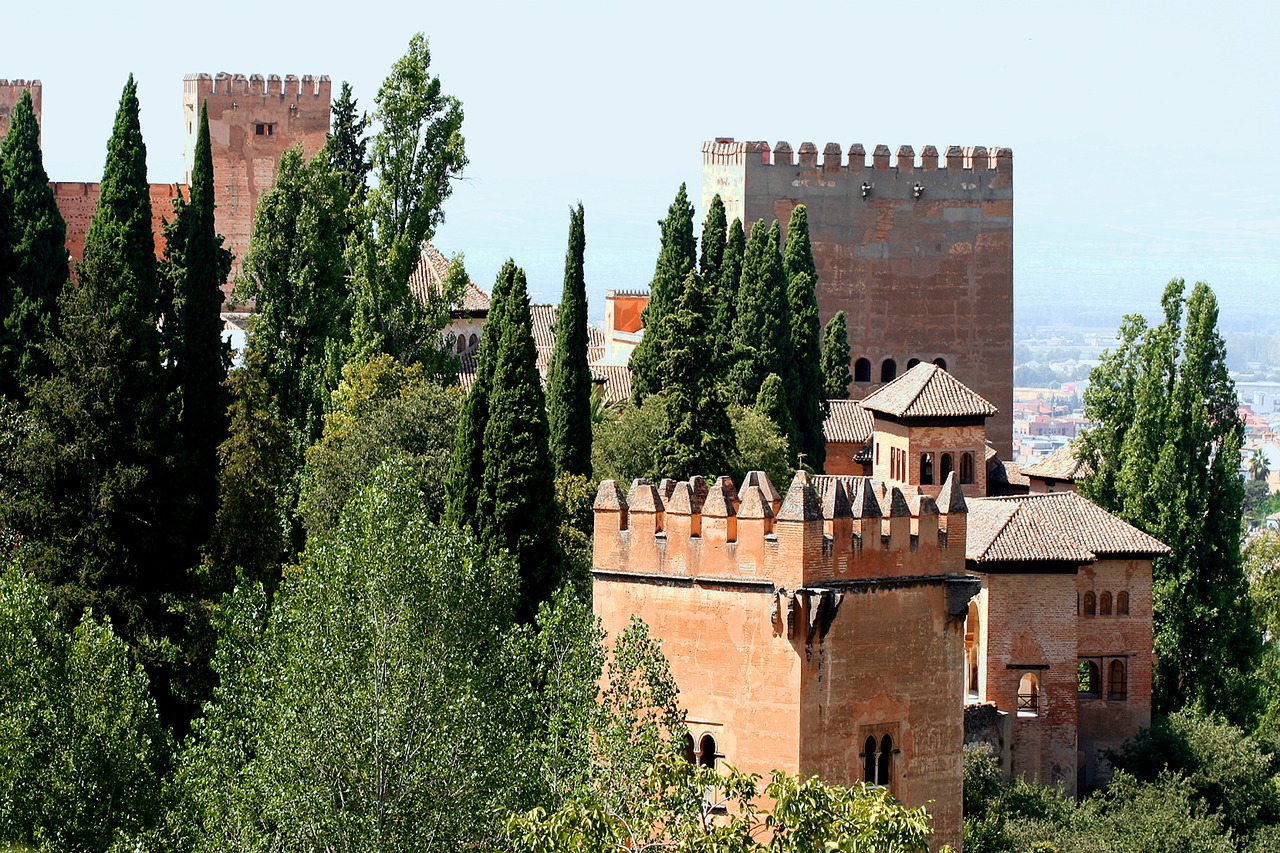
pixel 1143 134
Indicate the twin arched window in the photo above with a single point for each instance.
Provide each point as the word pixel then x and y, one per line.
pixel 877 760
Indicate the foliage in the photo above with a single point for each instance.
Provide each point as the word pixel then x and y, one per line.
pixel 804 378
pixel 699 435
pixel 416 154
pixel 575 499
pixel 82 751
pixel 725 294
pixel 835 359
pixel 677 257
pixel 36 247
pixel 381 411
pixel 347 145
pixel 569 387
pixel 762 323
pixel 1164 457
pixel 772 403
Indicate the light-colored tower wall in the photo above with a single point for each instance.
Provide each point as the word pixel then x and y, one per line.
pixel 917 253
pixel 252 121
pixel 10 93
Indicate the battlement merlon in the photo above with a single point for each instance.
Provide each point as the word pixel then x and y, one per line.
pixel 230 85
pixel 690 532
pixel 729 152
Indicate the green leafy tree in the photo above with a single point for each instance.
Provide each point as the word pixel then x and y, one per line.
pixel 772 403
pixel 805 395
pixel 569 387
pixel 699 436
pixel 835 359
pixel 677 257
pixel 347 145
pixel 515 509
pixel 82 751
pixel 381 411
pixel 1164 458
pixel 416 155
pixel 34 244
pixel 202 357
pixel 762 323
pixel 467 471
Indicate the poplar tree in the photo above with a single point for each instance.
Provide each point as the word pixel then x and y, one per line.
pixel 677 257
pixel 835 359
pixel 569 386
pixel 202 357
pixel 699 438
pixel 804 374
pixel 467 472
pixel 762 325
pixel 1165 457
pixel 37 253
pixel 516 507
pixel 772 403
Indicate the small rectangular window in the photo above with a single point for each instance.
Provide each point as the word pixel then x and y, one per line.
pixel 263 128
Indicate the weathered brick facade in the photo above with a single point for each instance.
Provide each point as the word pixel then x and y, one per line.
pixel 78 201
pixel 10 93
pixel 918 254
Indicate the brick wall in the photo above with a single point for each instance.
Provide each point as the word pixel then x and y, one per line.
pixel 10 93
pixel 77 202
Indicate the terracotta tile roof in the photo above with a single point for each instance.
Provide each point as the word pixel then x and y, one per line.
pixel 427 278
pixel 543 319
pixel 616 379
pixel 928 391
pixel 1002 532
pixel 1059 465
pixel 1092 527
pixel 848 422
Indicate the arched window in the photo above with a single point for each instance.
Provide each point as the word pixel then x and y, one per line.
pixel 461 344
pixel 473 342
pixel 888 370
pixel 1087 677
pixel 947 467
pixel 941 362
pixel 688 748
pixel 912 362
pixel 707 752
pixel 1122 604
pixel 869 761
pixel 971 626
pixel 1029 695
pixel 1104 604
pixel 1117 688
pixel 884 768
pixel 966 468
pixel 1090 604
pixel 926 469
pixel 862 370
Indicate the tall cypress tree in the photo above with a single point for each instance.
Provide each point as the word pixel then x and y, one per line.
pixel 38 256
pixel 516 508
pixel 677 257
pixel 202 357
pixel 835 359
pixel 569 378
pixel 699 437
pixel 725 293
pixel 466 471
pixel 762 323
pixel 715 231
pixel 347 145
pixel 772 403
pixel 805 369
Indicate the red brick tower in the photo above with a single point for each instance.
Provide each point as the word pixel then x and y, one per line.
pixel 252 121
pixel 918 254
pixel 10 93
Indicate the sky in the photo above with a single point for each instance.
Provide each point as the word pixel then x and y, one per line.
pixel 1143 133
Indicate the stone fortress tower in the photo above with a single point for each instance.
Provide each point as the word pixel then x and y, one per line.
pixel 917 253
pixel 252 121
pixel 10 92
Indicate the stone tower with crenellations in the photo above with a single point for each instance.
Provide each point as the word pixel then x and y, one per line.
pixel 10 93
pixel 917 251
pixel 252 121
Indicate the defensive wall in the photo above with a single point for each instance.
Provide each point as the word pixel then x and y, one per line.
pixel 77 202
pixel 917 250
pixel 10 93
pixel 820 631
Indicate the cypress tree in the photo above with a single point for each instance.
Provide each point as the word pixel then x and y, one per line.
pixel 715 231
pixel 677 257
pixel 805 368
pixel 569 378
pixel 762 323
pixel 725 293
pixel 835 359
pixel 202 357
pixel 516 507
pixel 347 146
pixel 466 471
pixel 772 403
pixel 37 254
pixel 699 437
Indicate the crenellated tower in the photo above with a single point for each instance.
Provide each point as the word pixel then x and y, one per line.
pixel 252 121
pixel 917 250
pixel 10 93
pixel 818 631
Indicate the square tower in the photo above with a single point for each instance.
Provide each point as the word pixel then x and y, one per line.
pixel 919 255
pixel 10 93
